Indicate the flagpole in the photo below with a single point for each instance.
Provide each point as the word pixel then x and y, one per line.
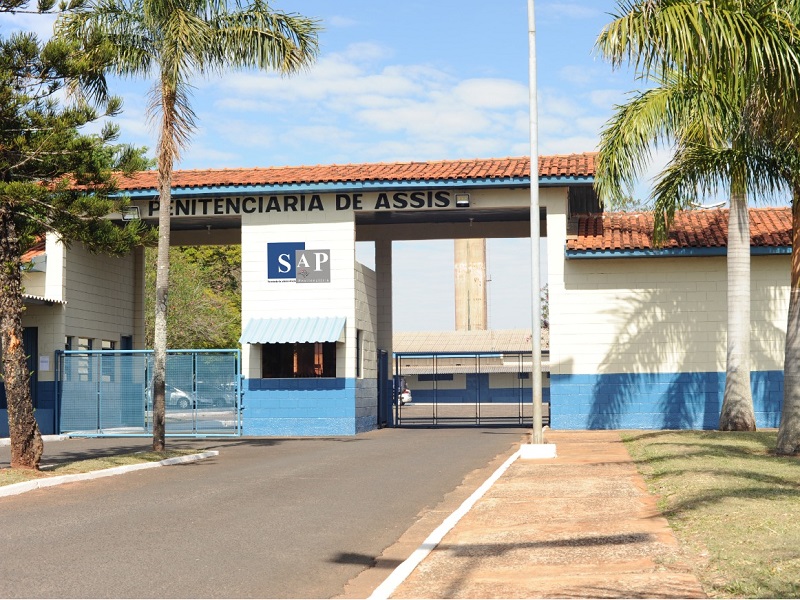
pixel 536 326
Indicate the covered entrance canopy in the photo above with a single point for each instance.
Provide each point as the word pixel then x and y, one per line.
pixel 401 195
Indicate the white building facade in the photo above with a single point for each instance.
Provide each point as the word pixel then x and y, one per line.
pixel 637 333
pixel 75 300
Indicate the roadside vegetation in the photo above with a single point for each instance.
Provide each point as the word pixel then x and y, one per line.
pixel 10 476
pixel 733 504
pixel 204 280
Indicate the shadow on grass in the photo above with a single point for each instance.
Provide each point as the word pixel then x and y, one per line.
pixel 729 492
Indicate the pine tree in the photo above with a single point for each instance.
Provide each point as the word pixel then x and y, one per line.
pixel 53 179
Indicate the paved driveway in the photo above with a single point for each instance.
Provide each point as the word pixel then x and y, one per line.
pixel 267 518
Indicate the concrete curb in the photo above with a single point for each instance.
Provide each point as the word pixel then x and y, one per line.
pixel 27 486
pixel 45 438
pixel 401 573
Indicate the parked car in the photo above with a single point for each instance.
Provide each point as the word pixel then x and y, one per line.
pixel 206 395
pixel 216 394
pixel 179 398
pixel 404 397
pixel 172 397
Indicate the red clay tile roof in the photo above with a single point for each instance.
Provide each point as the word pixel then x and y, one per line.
pixel 36 250
pixel 769 227
pixel 573 165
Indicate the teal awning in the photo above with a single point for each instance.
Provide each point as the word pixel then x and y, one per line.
pixel 291 330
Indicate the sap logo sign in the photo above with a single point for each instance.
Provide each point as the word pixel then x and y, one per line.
pixel 281 260
pixel 290 261
pixel 313 266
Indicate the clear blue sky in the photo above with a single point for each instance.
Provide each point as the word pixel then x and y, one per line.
pixel 412 80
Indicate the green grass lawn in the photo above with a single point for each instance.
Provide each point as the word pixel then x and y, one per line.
pixel 9 476
pixel 733 504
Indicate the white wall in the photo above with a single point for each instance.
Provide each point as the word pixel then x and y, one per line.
pixel 100 292
pixel 34 283
pixel 50 322
pixel 656 315
pixel 100 295
pixel 366 320
pixel 265 299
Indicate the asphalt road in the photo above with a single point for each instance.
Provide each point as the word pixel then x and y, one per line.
pixel 268 518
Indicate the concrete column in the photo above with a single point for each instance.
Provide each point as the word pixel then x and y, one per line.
pixel 383 274
pixel 470 284
pixel 138 299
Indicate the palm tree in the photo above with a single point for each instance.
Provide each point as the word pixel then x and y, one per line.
pixel 787 158
pixel 716 62
pixel 175 41
pixel 789 430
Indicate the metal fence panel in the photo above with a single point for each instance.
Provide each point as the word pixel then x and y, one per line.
pixel 109 393
pixel 464 389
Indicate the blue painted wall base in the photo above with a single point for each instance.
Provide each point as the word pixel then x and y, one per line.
pixel 302 407
pixel 655 401
pixel 44 410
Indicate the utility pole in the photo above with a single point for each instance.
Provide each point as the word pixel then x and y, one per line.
pixel 536 324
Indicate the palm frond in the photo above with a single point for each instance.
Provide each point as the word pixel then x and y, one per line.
pixel 697 171
pixel 656 36
pixel 260 37
pixel 680 107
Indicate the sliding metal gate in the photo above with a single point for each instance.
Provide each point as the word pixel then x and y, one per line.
pixel 466 390
pixel 109 393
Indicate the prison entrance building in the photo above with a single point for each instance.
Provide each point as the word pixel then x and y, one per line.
pixel 637 333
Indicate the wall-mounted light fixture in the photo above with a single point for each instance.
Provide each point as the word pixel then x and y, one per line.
pixel 131 214
pixel 462 200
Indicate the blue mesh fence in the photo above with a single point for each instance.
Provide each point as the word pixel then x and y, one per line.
pixel 110 392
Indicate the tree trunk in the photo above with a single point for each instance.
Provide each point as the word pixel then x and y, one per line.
pixel 26 441
pixel 737 406
pixel 789 431
pixel 165 163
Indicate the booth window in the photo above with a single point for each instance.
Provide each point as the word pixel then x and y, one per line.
pixel 283 361
pixel 84 362
pixel 107 363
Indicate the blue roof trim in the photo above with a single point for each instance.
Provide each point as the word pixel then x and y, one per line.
pixel 330 187
pixel 673 252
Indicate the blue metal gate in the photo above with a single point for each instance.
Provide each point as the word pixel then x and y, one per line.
pixel 465 389
pixel 109 393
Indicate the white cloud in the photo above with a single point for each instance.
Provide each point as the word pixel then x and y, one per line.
pixel 199 152
pixel 607 99
pixel 340 22
pixel 509 266
pixel 366 52
pixel 577 75
pixel 40 24
pixel 492 93
pixel 349 106
pixel 568 145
